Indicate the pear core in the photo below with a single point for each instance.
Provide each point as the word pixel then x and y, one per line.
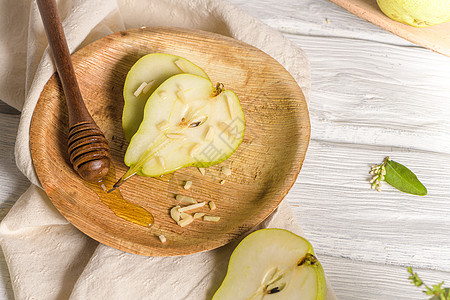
pixel 187 122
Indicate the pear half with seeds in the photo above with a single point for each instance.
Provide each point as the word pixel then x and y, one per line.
pixel 273 264
pixel 187 122
pixel 144 78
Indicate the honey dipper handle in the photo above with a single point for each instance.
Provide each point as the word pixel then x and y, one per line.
pixel 87 145
pixel 57 41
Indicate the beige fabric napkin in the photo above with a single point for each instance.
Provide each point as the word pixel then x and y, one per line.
pixel 47 257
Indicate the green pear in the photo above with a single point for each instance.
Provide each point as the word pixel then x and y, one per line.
pixel 143 79
pixel 186 122
pixel 417 13
pixel 273 264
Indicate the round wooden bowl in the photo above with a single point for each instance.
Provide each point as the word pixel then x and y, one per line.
pixel 264 167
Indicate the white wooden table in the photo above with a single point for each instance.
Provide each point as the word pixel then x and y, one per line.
pixel 373 95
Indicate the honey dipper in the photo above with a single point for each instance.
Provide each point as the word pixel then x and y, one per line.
pixel 87 145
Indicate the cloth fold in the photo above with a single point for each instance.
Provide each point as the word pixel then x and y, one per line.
pixel 47 257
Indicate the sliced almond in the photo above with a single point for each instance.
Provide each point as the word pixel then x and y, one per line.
pixel 227 129
pixel 175 135
pixel 194 150
pixel 212 205
pixel 175 213
pixel 187 185
pixel 226 170
pixel 162 238
pixel 181 65
pixel 163 94
pixel 163 125
pixel 202 170
pixel 198 215
pixel 192 206
pixel 139 89
pixel 222 181
pixel 185 199
pixel 148 87
pixel 209 134
pixel 185 215
pixel 211 218
pixel 186 221
pixel 181 96
pixel 230 112
pixel 161 161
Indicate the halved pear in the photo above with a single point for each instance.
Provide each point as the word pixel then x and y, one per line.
pixel 273 264
pixel 187 122
pixel 144 78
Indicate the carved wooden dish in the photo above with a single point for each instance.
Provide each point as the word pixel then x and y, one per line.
pixel 436 38
pixel 264 167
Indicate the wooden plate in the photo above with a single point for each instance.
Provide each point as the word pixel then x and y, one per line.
pixel 263 168
pixel 436 38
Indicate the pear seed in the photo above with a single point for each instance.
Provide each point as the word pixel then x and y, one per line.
pixel 140 88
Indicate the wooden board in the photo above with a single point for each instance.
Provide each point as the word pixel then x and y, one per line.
pixel 263 168
pixel 436 38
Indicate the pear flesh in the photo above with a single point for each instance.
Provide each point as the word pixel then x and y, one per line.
pixel 186 122
pixel 273 264
pixel 153 69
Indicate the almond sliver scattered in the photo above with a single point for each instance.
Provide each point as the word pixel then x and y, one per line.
pixel 186 221
pixel 139 89
pixel 202 170
pixel 198 215
pixel 212 205
pixel 226 170
pixel 148 87
pixel 162 238
pixel 191 207
pixel 187 185
pixel 175 213
pixel 211 218
pixel 185 199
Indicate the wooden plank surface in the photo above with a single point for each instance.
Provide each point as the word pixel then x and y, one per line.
pixel 373 94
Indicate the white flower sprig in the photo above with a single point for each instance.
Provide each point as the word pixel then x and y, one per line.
pixel 378 172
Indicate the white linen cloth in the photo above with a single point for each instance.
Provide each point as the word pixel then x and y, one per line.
pixel 48 258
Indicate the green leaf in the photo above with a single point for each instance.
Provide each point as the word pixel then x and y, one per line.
pixel 403 179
